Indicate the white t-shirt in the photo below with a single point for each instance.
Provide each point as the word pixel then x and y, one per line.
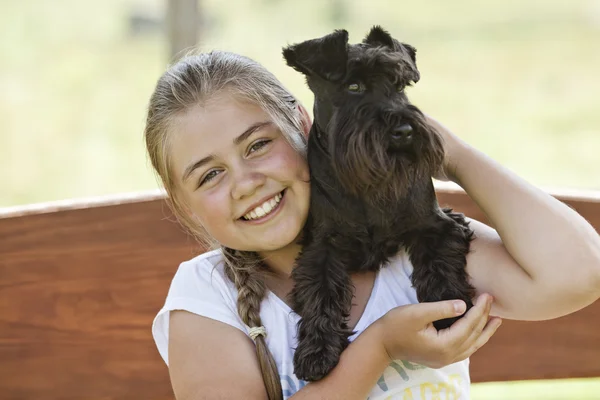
pixel 200 286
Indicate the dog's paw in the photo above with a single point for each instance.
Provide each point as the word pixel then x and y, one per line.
pixel 445 323
pixel 314 360
pixel 314 367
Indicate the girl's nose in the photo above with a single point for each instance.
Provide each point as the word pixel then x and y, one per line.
pixel 246 183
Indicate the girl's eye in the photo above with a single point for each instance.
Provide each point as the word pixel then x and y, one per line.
pixel 208 177
pixel 256 146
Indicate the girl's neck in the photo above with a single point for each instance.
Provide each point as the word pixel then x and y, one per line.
pixel 281 261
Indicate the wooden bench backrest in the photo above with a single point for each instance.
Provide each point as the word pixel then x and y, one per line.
pixel 81 284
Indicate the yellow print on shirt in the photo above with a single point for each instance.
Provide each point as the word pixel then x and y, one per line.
pixel 401 370
pixel 449 390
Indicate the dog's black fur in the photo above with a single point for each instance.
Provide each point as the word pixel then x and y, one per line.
pixel 371 156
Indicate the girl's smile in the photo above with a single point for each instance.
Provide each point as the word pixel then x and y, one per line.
pixel 239 176
pixel 265 210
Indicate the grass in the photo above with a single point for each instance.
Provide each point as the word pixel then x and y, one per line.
pixel 519 80
pixel 560 389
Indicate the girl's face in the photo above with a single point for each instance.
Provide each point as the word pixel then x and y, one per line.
pixel 239 176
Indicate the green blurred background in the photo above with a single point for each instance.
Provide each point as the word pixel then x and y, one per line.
pixel 519 80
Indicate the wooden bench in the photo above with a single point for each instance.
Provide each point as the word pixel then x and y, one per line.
pixel 80 283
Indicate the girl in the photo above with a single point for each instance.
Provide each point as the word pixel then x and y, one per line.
pixel 228 142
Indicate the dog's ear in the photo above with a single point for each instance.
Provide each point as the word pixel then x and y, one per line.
pixel 410 50
pixel 325 57
pixel 380 37
pixel 412 54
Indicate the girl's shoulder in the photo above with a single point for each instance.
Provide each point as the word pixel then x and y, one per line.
pixel 201 274
pixel 201 287
pixel 212 258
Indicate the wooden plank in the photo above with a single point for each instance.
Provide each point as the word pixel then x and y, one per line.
pixel 79 288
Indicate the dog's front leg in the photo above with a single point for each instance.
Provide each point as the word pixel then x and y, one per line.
pixel 438 254
pixel 322 296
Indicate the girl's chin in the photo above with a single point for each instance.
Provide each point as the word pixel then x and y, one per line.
pixel 282 246
pixel 274 241
pixel 277 243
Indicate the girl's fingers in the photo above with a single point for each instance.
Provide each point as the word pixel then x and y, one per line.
pixel 481 323
pixel 488 331
pixel 433 311
pixel 460 332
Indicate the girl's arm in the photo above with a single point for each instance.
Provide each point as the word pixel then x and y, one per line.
pixel 210 359
pixel 405 333
pixel 543 259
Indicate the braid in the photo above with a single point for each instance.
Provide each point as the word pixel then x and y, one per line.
pixel 194 81
pixel 242 268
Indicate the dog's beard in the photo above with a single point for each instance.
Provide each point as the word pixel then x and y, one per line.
pixel 364 163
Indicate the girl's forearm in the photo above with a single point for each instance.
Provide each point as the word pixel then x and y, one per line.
pixel 550 241
pixel 360 366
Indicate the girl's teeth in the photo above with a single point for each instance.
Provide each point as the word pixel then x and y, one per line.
pixel 263 209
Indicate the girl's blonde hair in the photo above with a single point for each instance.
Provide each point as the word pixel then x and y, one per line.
pixel 194 81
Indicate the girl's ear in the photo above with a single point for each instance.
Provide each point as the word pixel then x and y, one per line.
pixel 306 121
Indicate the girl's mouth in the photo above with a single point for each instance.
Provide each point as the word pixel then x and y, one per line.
pixel 266 210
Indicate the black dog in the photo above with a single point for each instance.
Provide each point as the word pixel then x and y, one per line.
pixel 371 156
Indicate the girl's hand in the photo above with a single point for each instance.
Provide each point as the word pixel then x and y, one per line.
pixel 408 332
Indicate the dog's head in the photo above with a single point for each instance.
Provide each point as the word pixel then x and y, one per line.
pixel 377 139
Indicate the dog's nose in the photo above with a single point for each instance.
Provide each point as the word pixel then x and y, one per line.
pixel 403 134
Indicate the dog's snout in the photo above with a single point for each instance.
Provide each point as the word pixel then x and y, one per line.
pixel 403 134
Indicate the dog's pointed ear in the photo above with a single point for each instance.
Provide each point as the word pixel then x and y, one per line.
pixel 325 57
pixel 412 53
pixel 380 37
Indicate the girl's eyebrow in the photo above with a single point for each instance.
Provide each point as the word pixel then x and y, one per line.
pixel 249 131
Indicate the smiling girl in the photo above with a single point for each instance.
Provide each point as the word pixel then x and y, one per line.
pixel 228 142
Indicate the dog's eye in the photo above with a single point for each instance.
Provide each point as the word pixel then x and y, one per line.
pixel 355 87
